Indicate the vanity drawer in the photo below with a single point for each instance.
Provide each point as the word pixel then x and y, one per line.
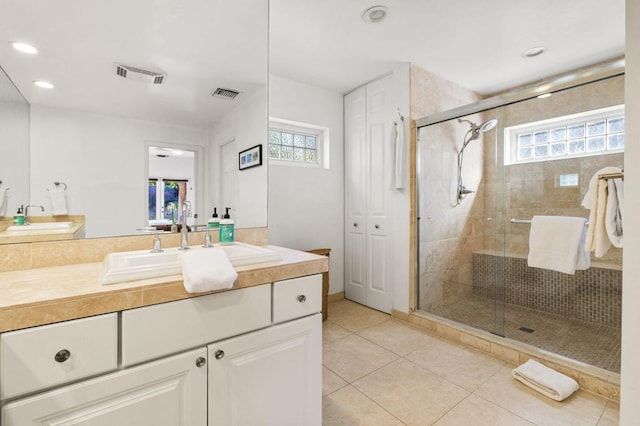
pixel 297 297
pixel 156 331
pixel 49 355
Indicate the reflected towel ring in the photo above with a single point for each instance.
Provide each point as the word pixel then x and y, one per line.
pixel 60 183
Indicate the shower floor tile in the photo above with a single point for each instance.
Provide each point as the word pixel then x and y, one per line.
pixel 583 341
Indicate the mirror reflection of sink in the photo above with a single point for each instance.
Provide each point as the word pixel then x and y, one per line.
pixel 142 264
pixel 40 226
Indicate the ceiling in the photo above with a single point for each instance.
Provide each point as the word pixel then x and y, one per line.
pixel 204 44
pixel 197 43
pixel 475 43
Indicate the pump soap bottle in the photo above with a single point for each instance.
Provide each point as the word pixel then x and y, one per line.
pixel 18 219
pixel 226 228
pixel 214 222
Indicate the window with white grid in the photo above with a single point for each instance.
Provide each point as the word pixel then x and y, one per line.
pixel 294 143
pixel 578 135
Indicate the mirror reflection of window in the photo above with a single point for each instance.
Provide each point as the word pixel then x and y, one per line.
pixel 166 200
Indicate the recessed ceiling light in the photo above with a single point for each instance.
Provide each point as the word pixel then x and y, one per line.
pixel 24 48
pixel 534 51
pixel 375 14
pixel 544 95
pixel 177 152
pixel 43 84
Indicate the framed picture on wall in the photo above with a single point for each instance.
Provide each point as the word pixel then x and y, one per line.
pixel 251 157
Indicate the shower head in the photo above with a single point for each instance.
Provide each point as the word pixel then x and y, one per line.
pixel 488 125
pixel 475 130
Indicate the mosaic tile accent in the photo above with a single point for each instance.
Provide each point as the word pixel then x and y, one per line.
pixel 594 295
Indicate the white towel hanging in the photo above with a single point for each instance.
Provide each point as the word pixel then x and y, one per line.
pixel 397 151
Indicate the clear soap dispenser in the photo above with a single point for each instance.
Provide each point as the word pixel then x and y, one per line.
pixel 226 228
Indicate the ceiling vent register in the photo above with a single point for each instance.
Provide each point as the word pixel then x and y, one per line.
pixel 228 94
pixel 133 73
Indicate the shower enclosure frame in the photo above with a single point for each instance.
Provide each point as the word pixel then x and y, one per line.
pixel 601 71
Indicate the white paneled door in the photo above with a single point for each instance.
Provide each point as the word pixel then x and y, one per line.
pixel 369 115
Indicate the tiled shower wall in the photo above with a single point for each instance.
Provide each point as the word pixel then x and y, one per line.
pixel 594 295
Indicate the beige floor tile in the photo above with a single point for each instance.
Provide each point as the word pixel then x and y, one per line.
pixel 611 415
pixel 332 331
pixel 411 393
pixel 466 367
pixel 581 408
pixel 331 382
pixel 355 317
pixel 478 412
pixel 349 407
pixel 397 336
pixel 353 357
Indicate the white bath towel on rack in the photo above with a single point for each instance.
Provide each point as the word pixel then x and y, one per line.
pixel 397 151
pixel 595 199
pixel 557 243
pixel 58 198
pixel 613 214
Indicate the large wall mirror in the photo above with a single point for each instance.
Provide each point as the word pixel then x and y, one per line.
pixel 135 84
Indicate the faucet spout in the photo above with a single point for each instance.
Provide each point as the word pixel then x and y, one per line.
pixel 26 212
pixel 184 242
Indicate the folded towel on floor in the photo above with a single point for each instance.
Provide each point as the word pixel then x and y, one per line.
pixel 595 199
pixel 207 269
pixel 613 214
pixel 58 198
pixel 545 380
pixel 557 243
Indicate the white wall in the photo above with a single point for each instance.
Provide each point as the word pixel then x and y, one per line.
pixel 247 125
pixel 102 160
pixel 630 376
pixel 306 205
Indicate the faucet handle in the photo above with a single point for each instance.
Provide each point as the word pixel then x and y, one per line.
pixel 207 239
pixel 157 243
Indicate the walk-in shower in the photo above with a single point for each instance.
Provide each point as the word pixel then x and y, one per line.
pixel 472 134
pixel 531 157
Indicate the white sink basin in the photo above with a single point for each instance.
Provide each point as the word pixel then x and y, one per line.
pixel 142 264
pixel 40 226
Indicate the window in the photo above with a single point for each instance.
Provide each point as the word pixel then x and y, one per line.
pixel 299 144
pixel 166 198
pixel 579 135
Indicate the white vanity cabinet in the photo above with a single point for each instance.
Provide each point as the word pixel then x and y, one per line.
pixel 250 356
pixel 168 392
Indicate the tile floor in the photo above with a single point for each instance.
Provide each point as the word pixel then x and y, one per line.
pixel 583 341
pixel 382 371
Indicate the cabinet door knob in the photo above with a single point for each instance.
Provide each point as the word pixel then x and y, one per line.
pixel 377 226
pixel 200 362
pixel 62 355
pixel 219 354
pixel 302 298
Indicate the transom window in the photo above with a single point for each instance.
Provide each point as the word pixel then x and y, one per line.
pixel 591 133
pixel 293 146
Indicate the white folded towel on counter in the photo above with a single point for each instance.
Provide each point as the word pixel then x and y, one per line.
pixel 557 243
pixel 545 380
pixel 596 200
pixel 207 269
pixel 58 198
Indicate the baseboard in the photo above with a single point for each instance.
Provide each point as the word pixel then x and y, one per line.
pixel 336 296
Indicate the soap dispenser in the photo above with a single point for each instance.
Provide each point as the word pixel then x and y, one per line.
pixel 214 222
pixel 226 228
pixel 18 219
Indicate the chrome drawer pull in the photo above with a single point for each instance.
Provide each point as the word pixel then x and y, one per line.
pixel 219 354
pixel 62 355
pixel 200 362
pixel 302 298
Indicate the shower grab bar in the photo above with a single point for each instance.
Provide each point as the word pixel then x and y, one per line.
pixel 607 176
pixel 514 220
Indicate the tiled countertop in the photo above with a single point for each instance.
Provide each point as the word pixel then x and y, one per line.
pixel 46 295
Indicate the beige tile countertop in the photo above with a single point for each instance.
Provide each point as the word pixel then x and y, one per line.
pixel 41 296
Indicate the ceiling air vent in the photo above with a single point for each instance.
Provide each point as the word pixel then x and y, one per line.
pixel 229 94
pixel 133 73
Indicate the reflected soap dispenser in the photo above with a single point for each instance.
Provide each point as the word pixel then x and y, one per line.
pixel 226 228
pixel 214 222
pixel 18 219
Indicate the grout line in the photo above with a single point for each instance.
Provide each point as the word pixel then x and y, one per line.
pixel 375 402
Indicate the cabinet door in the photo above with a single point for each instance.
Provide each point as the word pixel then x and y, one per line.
pixel 269 377
pixel 169 392
pixel 355 195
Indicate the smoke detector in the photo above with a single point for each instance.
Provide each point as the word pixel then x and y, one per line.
pixel 133 73
pixel 228 94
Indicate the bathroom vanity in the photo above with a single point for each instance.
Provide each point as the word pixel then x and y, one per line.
pixel 156 355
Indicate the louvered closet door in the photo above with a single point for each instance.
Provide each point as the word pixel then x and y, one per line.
pixel 380 116
pixel 355 196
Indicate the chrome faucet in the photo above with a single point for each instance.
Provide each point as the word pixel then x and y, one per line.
pixel 207 238
pixel 157 243
pixel 186 209
pixel 26 212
